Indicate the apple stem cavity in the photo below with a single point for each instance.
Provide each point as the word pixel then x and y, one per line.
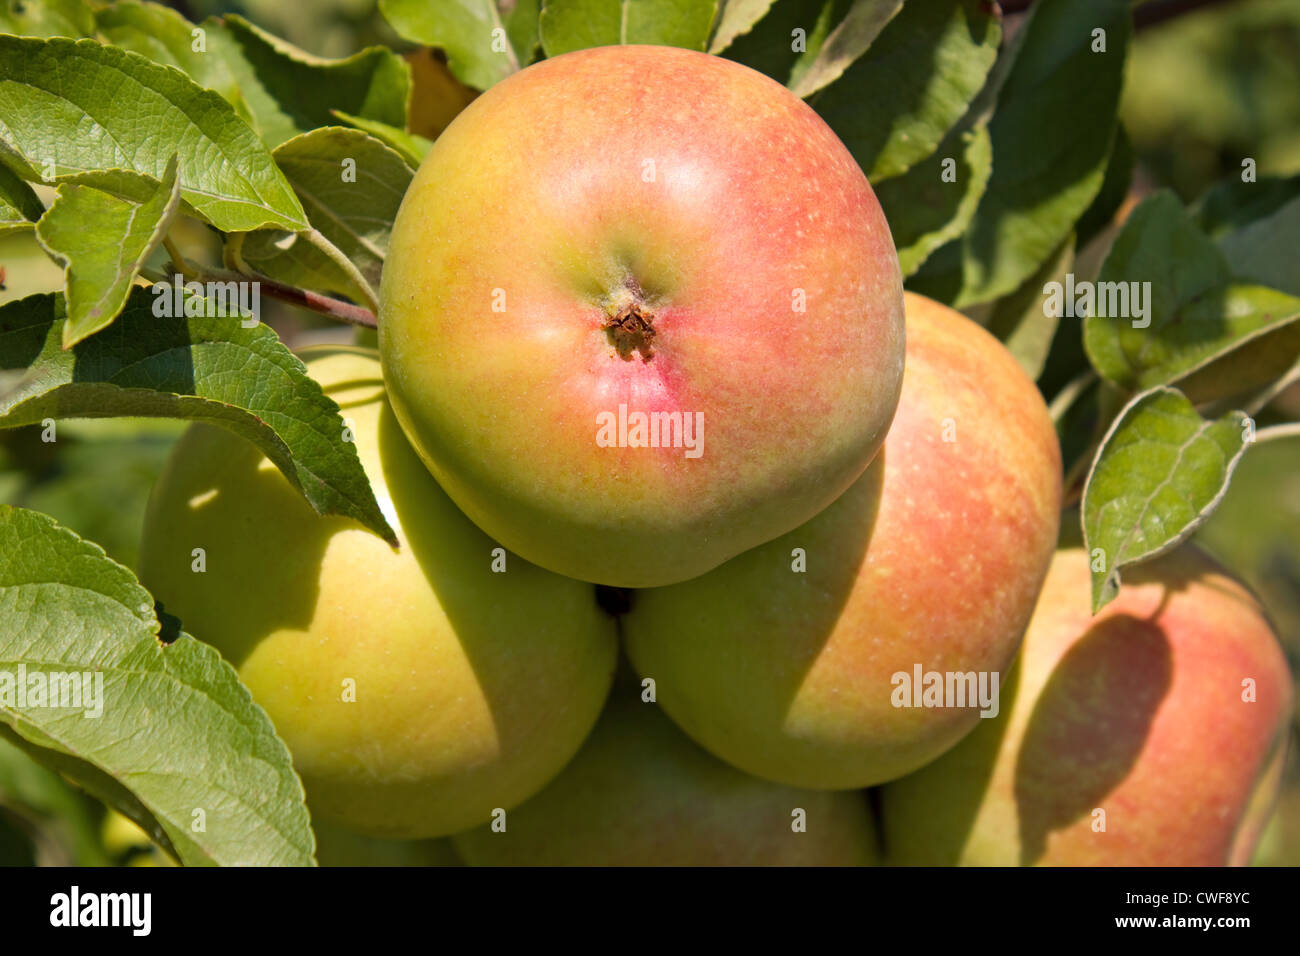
pixel 631 323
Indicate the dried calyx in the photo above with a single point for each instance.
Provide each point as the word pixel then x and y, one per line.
pixel 630 325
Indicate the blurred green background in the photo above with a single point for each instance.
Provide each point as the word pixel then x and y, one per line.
pixel 1203 91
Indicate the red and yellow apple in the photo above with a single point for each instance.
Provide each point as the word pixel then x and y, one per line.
pixel 639 793
pixel 641 312
pixel 417 689
pixel 796 661
pixel 1150 735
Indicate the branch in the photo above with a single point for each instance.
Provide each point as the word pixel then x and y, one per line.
pixel 1146 15
pixel 303 298
pixel 1289 430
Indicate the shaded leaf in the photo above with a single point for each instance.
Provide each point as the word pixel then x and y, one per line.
pixel 1231 204
pixel 290 91
pixel 932 59
pixel 785 43
pixel 19 207
pixel 844 44
pixel 738 17
pixel 1020 319
pixel 1196 316
pixel 1052 134
pixel 1113 192
pixel 925 211
pixel 200 368
pixel 1264 250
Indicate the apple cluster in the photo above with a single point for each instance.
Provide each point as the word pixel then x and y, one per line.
pixel 643 328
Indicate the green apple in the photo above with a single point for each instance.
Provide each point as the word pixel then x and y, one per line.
pixel 641 312
pixel 798 661
pixel 417 689
pixel 339 846
pixel 1150 735
pixel 639 793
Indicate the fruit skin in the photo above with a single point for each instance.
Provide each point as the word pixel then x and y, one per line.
pixel 639 793
pixel 542 191
pixel 1137 711
pixel 473 688
pixel 338 846
pixel 933 558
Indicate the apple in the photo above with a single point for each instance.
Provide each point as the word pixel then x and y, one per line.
pixel 1150 735
pixel 794 660
pixel 639 793
pixel 417 689
pixel 339 846
pixel 641 312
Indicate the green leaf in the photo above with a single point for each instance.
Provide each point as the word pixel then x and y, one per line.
pixel 414 148
pixel 350 184
pixel 523 29
pixel 1020 320
pixel 47 18
pixel 1160 243
pixel 933 58
pixel 737 18
pixel 71 107
pixel 1211 345
pixel 290 91
pixel 102 242
pixel 166 37
pixel 1052 135
pixel 785 43
pixel 1196 315
pixel 924 209
pixel 1161 470
pixel 164 732
pixel 19 207
pixel 568 25
pixel 1231 204
pixel 199 368
pixel 466 30
pixel 1265 250
pixel 848 41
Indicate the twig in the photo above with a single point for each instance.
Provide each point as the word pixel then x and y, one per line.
pixel 1147 15
pixel 1071 485
pixel 178 260
pixel 317 239
pixel 1070 393
pixel 303 298
pixel 1289 430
